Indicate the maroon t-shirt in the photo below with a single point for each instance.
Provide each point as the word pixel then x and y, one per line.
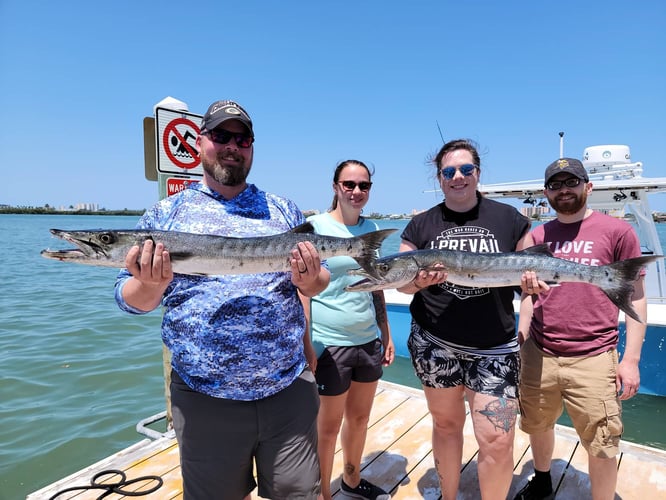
pixel 577 319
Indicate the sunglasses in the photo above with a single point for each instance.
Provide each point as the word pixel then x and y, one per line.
pixel 449 173
pixel 571 182
pixel 351 185
pixel 224 136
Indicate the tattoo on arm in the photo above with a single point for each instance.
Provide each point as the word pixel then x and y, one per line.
pixel 501 413
pixel 380 307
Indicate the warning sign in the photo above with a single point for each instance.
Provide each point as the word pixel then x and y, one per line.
pixel 177 132
pixel 176 185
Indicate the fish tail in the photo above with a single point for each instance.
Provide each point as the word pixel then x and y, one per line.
pixel 371 243
pixel 619 286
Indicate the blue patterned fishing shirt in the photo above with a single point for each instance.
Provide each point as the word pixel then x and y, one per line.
pixel 233 336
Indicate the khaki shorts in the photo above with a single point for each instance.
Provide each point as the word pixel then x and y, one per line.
pixel 585 385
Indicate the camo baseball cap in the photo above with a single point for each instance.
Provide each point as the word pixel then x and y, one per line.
pixel 568 165
pixel 221 111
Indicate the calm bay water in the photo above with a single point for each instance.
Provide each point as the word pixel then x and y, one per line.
pixel 77 374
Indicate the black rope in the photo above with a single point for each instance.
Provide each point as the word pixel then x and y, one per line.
pixel 117 486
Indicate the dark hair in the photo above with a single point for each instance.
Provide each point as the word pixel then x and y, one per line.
pixel 338 170
pixel 466 144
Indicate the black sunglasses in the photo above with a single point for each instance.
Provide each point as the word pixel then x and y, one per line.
pixel 222 136
pixel 571 182
pixel 450 172
pixel 351 185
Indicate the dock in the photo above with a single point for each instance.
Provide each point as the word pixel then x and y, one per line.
pixel 397 457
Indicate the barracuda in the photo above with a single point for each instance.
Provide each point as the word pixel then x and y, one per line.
pixel 491 270
pixel 202 254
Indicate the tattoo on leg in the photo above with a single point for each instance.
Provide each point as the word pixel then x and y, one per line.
pixel 350 469
pixel 439 474
pixel 501 413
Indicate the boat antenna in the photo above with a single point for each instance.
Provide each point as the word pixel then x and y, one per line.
pixel 561 144
pixel 440 132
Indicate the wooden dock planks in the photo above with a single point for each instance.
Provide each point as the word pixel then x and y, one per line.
pixel 398 457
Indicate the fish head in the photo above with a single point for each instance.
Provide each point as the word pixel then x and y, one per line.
pixel 98 247
pixel 393 271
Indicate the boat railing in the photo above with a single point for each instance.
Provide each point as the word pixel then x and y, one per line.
pixel 142 427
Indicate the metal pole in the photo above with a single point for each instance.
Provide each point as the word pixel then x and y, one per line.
pixel 561 144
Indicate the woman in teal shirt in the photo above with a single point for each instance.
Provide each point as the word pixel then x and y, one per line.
pixel 351 339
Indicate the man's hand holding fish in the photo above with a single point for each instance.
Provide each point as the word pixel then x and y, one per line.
pixel 150 265
pixel 305 269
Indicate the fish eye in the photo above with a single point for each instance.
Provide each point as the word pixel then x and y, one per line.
pixel 383 267
pixel 106 238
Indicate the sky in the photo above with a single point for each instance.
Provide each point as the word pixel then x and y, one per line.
pixel 379 81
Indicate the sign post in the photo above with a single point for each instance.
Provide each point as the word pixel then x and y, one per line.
pixel 172 159
pixel 178 162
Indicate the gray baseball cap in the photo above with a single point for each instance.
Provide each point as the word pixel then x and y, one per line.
pixel 221 111
pixel 568 165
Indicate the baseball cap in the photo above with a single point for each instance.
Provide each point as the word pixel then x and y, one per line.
pixel 221 111
pixel 568 165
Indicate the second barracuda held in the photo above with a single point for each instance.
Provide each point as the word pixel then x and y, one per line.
pixel 491 270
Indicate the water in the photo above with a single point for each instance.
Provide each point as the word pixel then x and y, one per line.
pixel 77 374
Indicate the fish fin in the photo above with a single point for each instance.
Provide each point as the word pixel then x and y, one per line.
pixel 362 285
pixel 371 244
pixel 306 227
pixel 622 276
pixel 543 249
pixel 357 271
pixel 371 285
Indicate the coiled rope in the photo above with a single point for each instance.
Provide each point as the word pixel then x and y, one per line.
pixel 115 486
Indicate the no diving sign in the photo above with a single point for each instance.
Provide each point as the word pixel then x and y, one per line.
pixel 177 132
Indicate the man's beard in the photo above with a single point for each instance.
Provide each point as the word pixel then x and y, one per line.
pixel 227 175
pixel 569 207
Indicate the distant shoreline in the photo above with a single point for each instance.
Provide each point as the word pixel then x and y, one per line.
pixel 44 211
pixel 658 217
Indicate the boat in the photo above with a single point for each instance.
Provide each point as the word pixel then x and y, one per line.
pixel 620 190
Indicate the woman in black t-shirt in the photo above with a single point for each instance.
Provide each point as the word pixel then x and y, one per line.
pixel 462 340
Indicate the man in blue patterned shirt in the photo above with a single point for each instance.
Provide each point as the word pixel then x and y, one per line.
pixel 240 389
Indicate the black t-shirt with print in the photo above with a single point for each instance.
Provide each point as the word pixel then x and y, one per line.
pixel 474 317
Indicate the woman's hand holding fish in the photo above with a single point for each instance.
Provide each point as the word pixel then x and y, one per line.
pixel 307 274
pixel 424 278
pixel 151 269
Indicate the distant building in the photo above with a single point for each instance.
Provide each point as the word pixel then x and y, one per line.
pixel 534 211
pixel 88 207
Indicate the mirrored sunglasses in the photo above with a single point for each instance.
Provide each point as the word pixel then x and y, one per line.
pixel 449 173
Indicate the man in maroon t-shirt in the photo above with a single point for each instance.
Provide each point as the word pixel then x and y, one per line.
pixel 569 337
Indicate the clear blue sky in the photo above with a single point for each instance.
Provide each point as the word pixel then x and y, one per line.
pixel 325 81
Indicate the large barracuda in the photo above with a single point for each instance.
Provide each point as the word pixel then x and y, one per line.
pixel 491 270
pixel 202 254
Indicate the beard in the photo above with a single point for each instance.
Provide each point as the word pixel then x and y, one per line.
pixel 568 207
pixel 227 175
